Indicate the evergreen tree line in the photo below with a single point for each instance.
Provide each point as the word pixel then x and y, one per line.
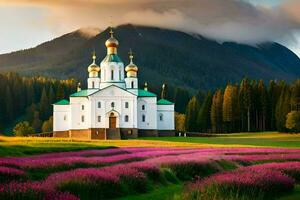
pixel 30 98
pixel 249 106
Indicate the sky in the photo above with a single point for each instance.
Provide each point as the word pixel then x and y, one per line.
pixel 27 23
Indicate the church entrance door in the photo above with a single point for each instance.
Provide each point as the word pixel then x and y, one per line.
pixel 112 121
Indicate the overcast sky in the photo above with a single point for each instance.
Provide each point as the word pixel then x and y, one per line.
pixel 27 23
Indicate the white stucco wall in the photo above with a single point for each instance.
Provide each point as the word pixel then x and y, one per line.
pixel 61 117
pixel 129 82
pixel 168 117
pixel 119 97
pixel 77 112
pixel 149 112
pixel 96 82
pixel 106 77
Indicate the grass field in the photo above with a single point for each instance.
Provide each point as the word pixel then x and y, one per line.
pixel 18 146
pixel 268 139
pixel 21 147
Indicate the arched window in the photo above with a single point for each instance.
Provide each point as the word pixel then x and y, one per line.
pixel 126 105
pixel 120 74
pixel 143 107
pixel 143 118
pixel 112 75
pixel 65 118
pixel 99 118
pixel 132 84
pixel 93 84
pixel 82 107
pixel 112 104
pixel 82 118
pixel 126 118
pixel 161 117
pixel 99 104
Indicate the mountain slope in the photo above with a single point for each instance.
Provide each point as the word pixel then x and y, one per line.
pixel 162 55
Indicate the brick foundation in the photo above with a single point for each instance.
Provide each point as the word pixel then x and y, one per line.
pixel 147 133
pixel 166 133
pixel 129 133
pixel 112 134
pixel 61 134
pixel 97 133
pixel 80 134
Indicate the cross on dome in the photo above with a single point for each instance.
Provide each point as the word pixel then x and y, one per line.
pixel 94 56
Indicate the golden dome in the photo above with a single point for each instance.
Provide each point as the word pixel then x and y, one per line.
pixel 94 69
pixel 131 68
pixel 112 42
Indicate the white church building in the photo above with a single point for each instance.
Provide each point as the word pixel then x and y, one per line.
pixel 113 107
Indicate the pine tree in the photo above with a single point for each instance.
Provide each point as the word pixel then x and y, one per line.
pixel 44 105
pixel 295 96
pixel 37 123
pixel 274 94
pixel 29 93
pixel 191 115
pixel 181 99
pixel 60 92
pixel 216 112
pixel 263 105
pixel 203 118
pixel 245 96
pixel 9 104
pixel 283 108
pixel 230 108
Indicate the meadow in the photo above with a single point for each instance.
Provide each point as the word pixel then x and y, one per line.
pixel 238 166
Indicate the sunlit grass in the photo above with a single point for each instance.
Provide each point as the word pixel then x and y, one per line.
pixel 266 139
pixel 19 146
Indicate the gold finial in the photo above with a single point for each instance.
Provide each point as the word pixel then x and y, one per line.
pixel 111 32
pixel 94 56
pixel 130 56
pixel 78 87
pixel 163 91
pixel 146 86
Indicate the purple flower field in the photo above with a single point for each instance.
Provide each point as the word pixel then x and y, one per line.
pixel 209 173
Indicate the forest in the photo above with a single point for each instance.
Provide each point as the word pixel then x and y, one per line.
pixel 29 99
pixel 249 106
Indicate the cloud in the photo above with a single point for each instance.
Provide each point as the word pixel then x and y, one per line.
pixel 224 20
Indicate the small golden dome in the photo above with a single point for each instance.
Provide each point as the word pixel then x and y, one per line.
pixel 111 42
pixel 94 68
pixel 131 68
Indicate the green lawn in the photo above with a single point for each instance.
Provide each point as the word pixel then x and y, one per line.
pixel 17 146
pixel 269 139
pixel 169 192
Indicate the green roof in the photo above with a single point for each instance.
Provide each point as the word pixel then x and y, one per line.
pixel 112 58
pixel 62 102
pixel 144 93
pixel 164 102
pixel 84 93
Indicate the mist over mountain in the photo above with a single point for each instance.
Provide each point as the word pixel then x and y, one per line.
pixel 163 56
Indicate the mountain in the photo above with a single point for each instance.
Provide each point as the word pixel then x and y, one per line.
pixel 174 57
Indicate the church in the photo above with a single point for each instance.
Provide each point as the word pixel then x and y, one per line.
pixel 113 106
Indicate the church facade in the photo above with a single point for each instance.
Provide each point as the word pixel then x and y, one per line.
pixel 113 107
